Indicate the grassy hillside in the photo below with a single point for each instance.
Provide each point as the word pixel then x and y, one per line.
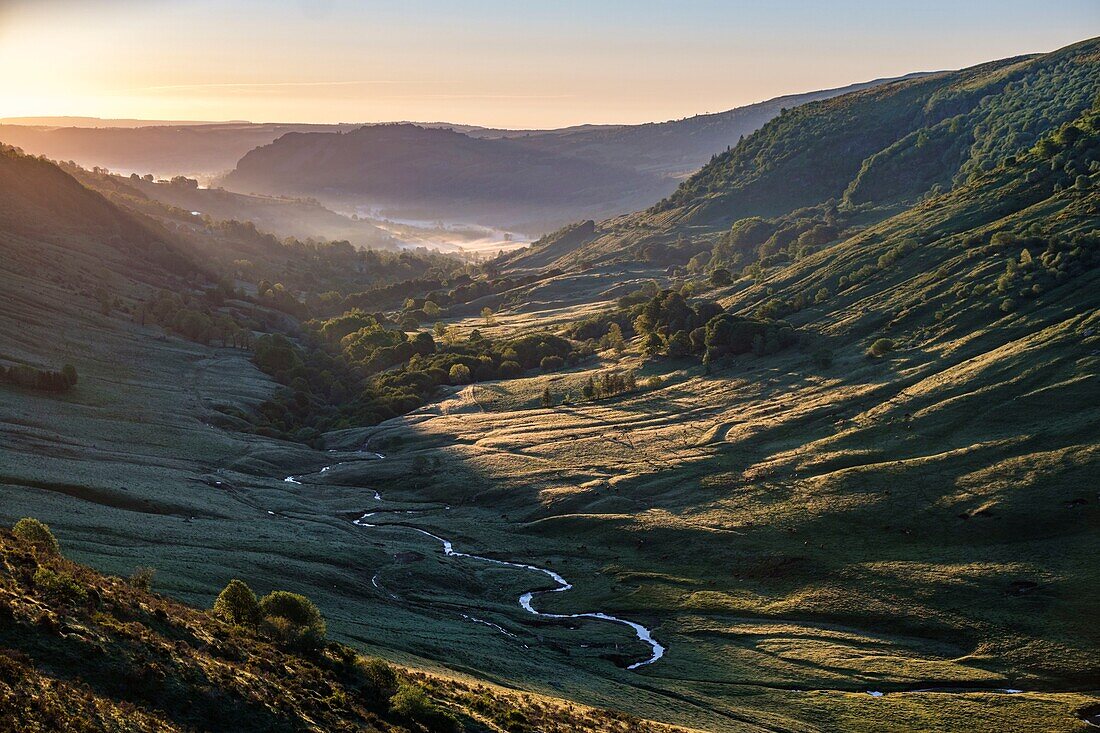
pixel 677 147
pixel 860 156
pixel 888 524
pixel 84 651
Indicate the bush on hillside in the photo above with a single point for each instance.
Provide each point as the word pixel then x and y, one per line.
pixel 413 704
pixel 881 347
pixel 142 577
pixel 293 619
pixel 59 587
pixel 36 533
pixel 237 604
pixel 379 680
pixel 459 374
pixel 551 363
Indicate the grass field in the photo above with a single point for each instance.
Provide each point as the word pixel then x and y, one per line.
pixel 787 532
pixel 796 536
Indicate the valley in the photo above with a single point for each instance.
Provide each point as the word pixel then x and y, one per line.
pixel 807 441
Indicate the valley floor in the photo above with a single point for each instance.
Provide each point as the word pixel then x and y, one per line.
pixel 799 539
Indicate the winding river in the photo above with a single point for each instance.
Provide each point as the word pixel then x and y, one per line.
pixel 526 601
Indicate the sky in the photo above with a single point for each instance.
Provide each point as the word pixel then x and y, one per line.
pixel 520 63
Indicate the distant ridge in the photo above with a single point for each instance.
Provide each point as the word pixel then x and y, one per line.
pixel 100 122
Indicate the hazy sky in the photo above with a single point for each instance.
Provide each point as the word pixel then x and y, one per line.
pixel 515 63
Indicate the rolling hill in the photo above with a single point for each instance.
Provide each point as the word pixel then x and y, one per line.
pixel 162 149
pixel 84 651
pixel 885 520
pixel 675 148
pixel 624 166
pixel 873 151
pixel 424 173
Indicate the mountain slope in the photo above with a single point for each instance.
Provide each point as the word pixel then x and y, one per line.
pixel 83 651
pixel 52 224
pixel 161 149
pixel 676 147
pixel 900 502
pixel 425 173
pixel 871 152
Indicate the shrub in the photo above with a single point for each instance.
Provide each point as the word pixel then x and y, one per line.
pixel 142 577
pixel 237 604
pixel 721 277
pixel 509 369
pixel 459 374
pixel 59 587
pixel 420 465
pixel 295 608
pixel 551 363
pixel 413 704
pixel 379 680
pixel 881 347
pixel 36 533
pixel 679 345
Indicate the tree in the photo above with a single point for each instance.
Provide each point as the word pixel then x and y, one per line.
pixel 36 533
pixel 509 369
pixel 380 679
pixel 679 345
pixel 487 314
pixel 721 277
pixel 615 338
pixel 589 389
pixel 296 609
pixel 551 363
pixel 237 604
pixel 431 309
pixel 547 398
pixel 69 372
pixel 459 374
pixel 630 381
pixel 652 345
pixel 697 263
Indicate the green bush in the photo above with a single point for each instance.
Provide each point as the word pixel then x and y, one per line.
pixel 881 347
pixel 379 680
pixel 551 363
pixel 36 533
pixel 413 704
pixel 237 604
pixel 459 374
pixel 59 587
pixel 293 619
pixel 142 577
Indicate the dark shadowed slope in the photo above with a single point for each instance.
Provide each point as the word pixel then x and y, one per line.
pixel 420 172
pixel 81 651
pixel 47 219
